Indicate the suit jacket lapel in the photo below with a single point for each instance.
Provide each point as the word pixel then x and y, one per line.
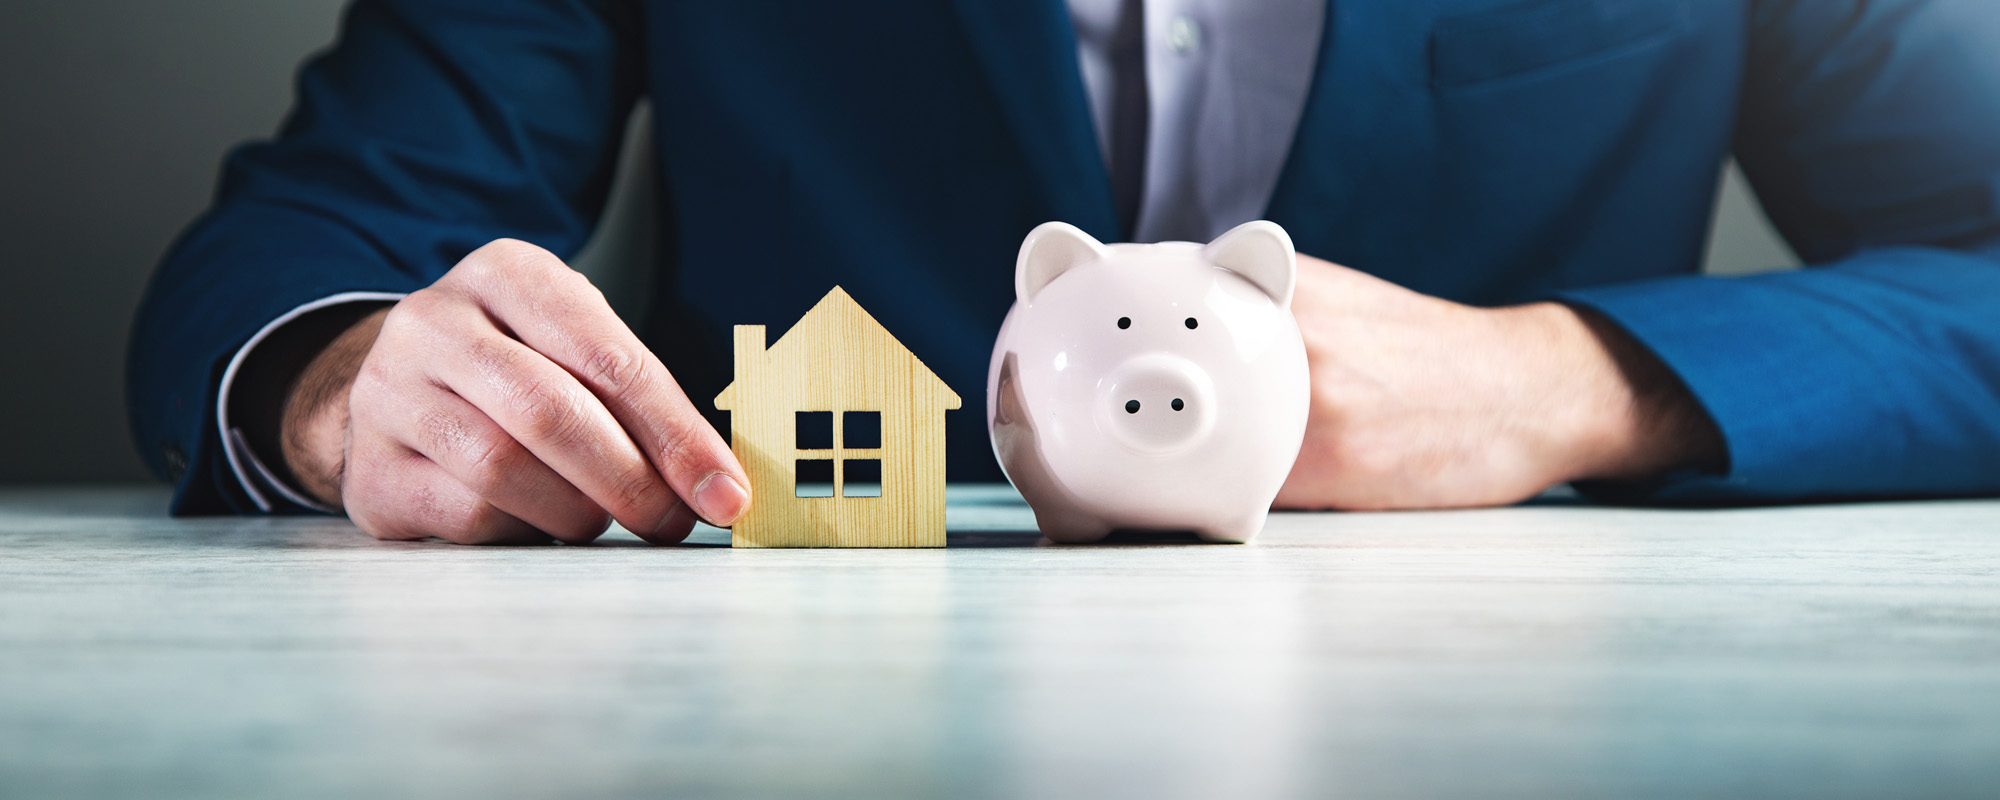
pixel 1029 53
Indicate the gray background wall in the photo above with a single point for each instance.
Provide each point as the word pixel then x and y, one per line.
pixel 114 116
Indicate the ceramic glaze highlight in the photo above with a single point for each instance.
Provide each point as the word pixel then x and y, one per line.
pixel 1152 387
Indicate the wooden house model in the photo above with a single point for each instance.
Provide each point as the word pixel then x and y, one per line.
pixel 841 430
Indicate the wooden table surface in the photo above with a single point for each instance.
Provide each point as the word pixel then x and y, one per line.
pixel 1542 651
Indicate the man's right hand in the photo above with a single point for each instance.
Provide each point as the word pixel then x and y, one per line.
pixel 506 403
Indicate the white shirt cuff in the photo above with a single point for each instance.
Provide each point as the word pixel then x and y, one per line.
pixel 236 447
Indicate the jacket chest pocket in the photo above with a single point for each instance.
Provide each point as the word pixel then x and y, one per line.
pixel 1547 38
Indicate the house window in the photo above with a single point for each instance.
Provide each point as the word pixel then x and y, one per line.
pixel 839 454
pixel 861 477
pixel 815 477
pixel 815 430
pixel 861 429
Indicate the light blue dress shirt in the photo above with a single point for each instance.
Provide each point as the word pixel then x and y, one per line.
pixel 1225 83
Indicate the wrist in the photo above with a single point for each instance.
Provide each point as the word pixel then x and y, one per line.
pixel 1614 409
pixel 313 427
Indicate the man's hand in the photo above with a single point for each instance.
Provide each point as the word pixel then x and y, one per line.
pixel 506 403
pixel 1423 403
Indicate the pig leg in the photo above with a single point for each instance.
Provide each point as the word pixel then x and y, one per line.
pixel 1236 531
pixel 1071 528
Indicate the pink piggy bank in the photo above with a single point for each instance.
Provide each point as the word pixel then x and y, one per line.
pixel 1150 386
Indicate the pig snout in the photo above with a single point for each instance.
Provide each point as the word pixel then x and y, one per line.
pixel 1157 403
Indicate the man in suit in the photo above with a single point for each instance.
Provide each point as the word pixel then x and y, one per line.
pixel 375 317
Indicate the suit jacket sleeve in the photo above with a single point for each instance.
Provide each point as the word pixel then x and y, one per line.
pixel 430 129
pixel 1871 131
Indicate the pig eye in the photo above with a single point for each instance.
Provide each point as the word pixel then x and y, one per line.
pixel 1191 323
pixel 1124 322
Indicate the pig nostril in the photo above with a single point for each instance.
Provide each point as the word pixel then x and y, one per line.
pixel 1178 405
pixel 1131 406
pixel 1124 322
pixel 1191 323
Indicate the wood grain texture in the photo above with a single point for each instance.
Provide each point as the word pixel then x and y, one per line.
pixel 837 359
pixel 1538 652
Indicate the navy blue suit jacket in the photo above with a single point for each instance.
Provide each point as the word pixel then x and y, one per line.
pixel 1486 151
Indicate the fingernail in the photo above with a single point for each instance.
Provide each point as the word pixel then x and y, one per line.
pixel 720 499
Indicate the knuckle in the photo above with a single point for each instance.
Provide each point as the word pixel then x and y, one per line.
pixel 493 467
pixel 677 450
pixel 414 309
pixel 580 285
pixel 508 247
pixel 546 413
pixel 512 257
pixel 439 432
pixel 445 436
pixel 490 356
pixel 613 368
pixel 371 382
pixel 637 495
pixel 425 319
pixel 569 293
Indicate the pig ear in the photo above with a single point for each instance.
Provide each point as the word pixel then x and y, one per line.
pixel 1260 252
pixel 1051 249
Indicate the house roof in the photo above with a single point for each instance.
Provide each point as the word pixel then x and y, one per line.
pixel 838 323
